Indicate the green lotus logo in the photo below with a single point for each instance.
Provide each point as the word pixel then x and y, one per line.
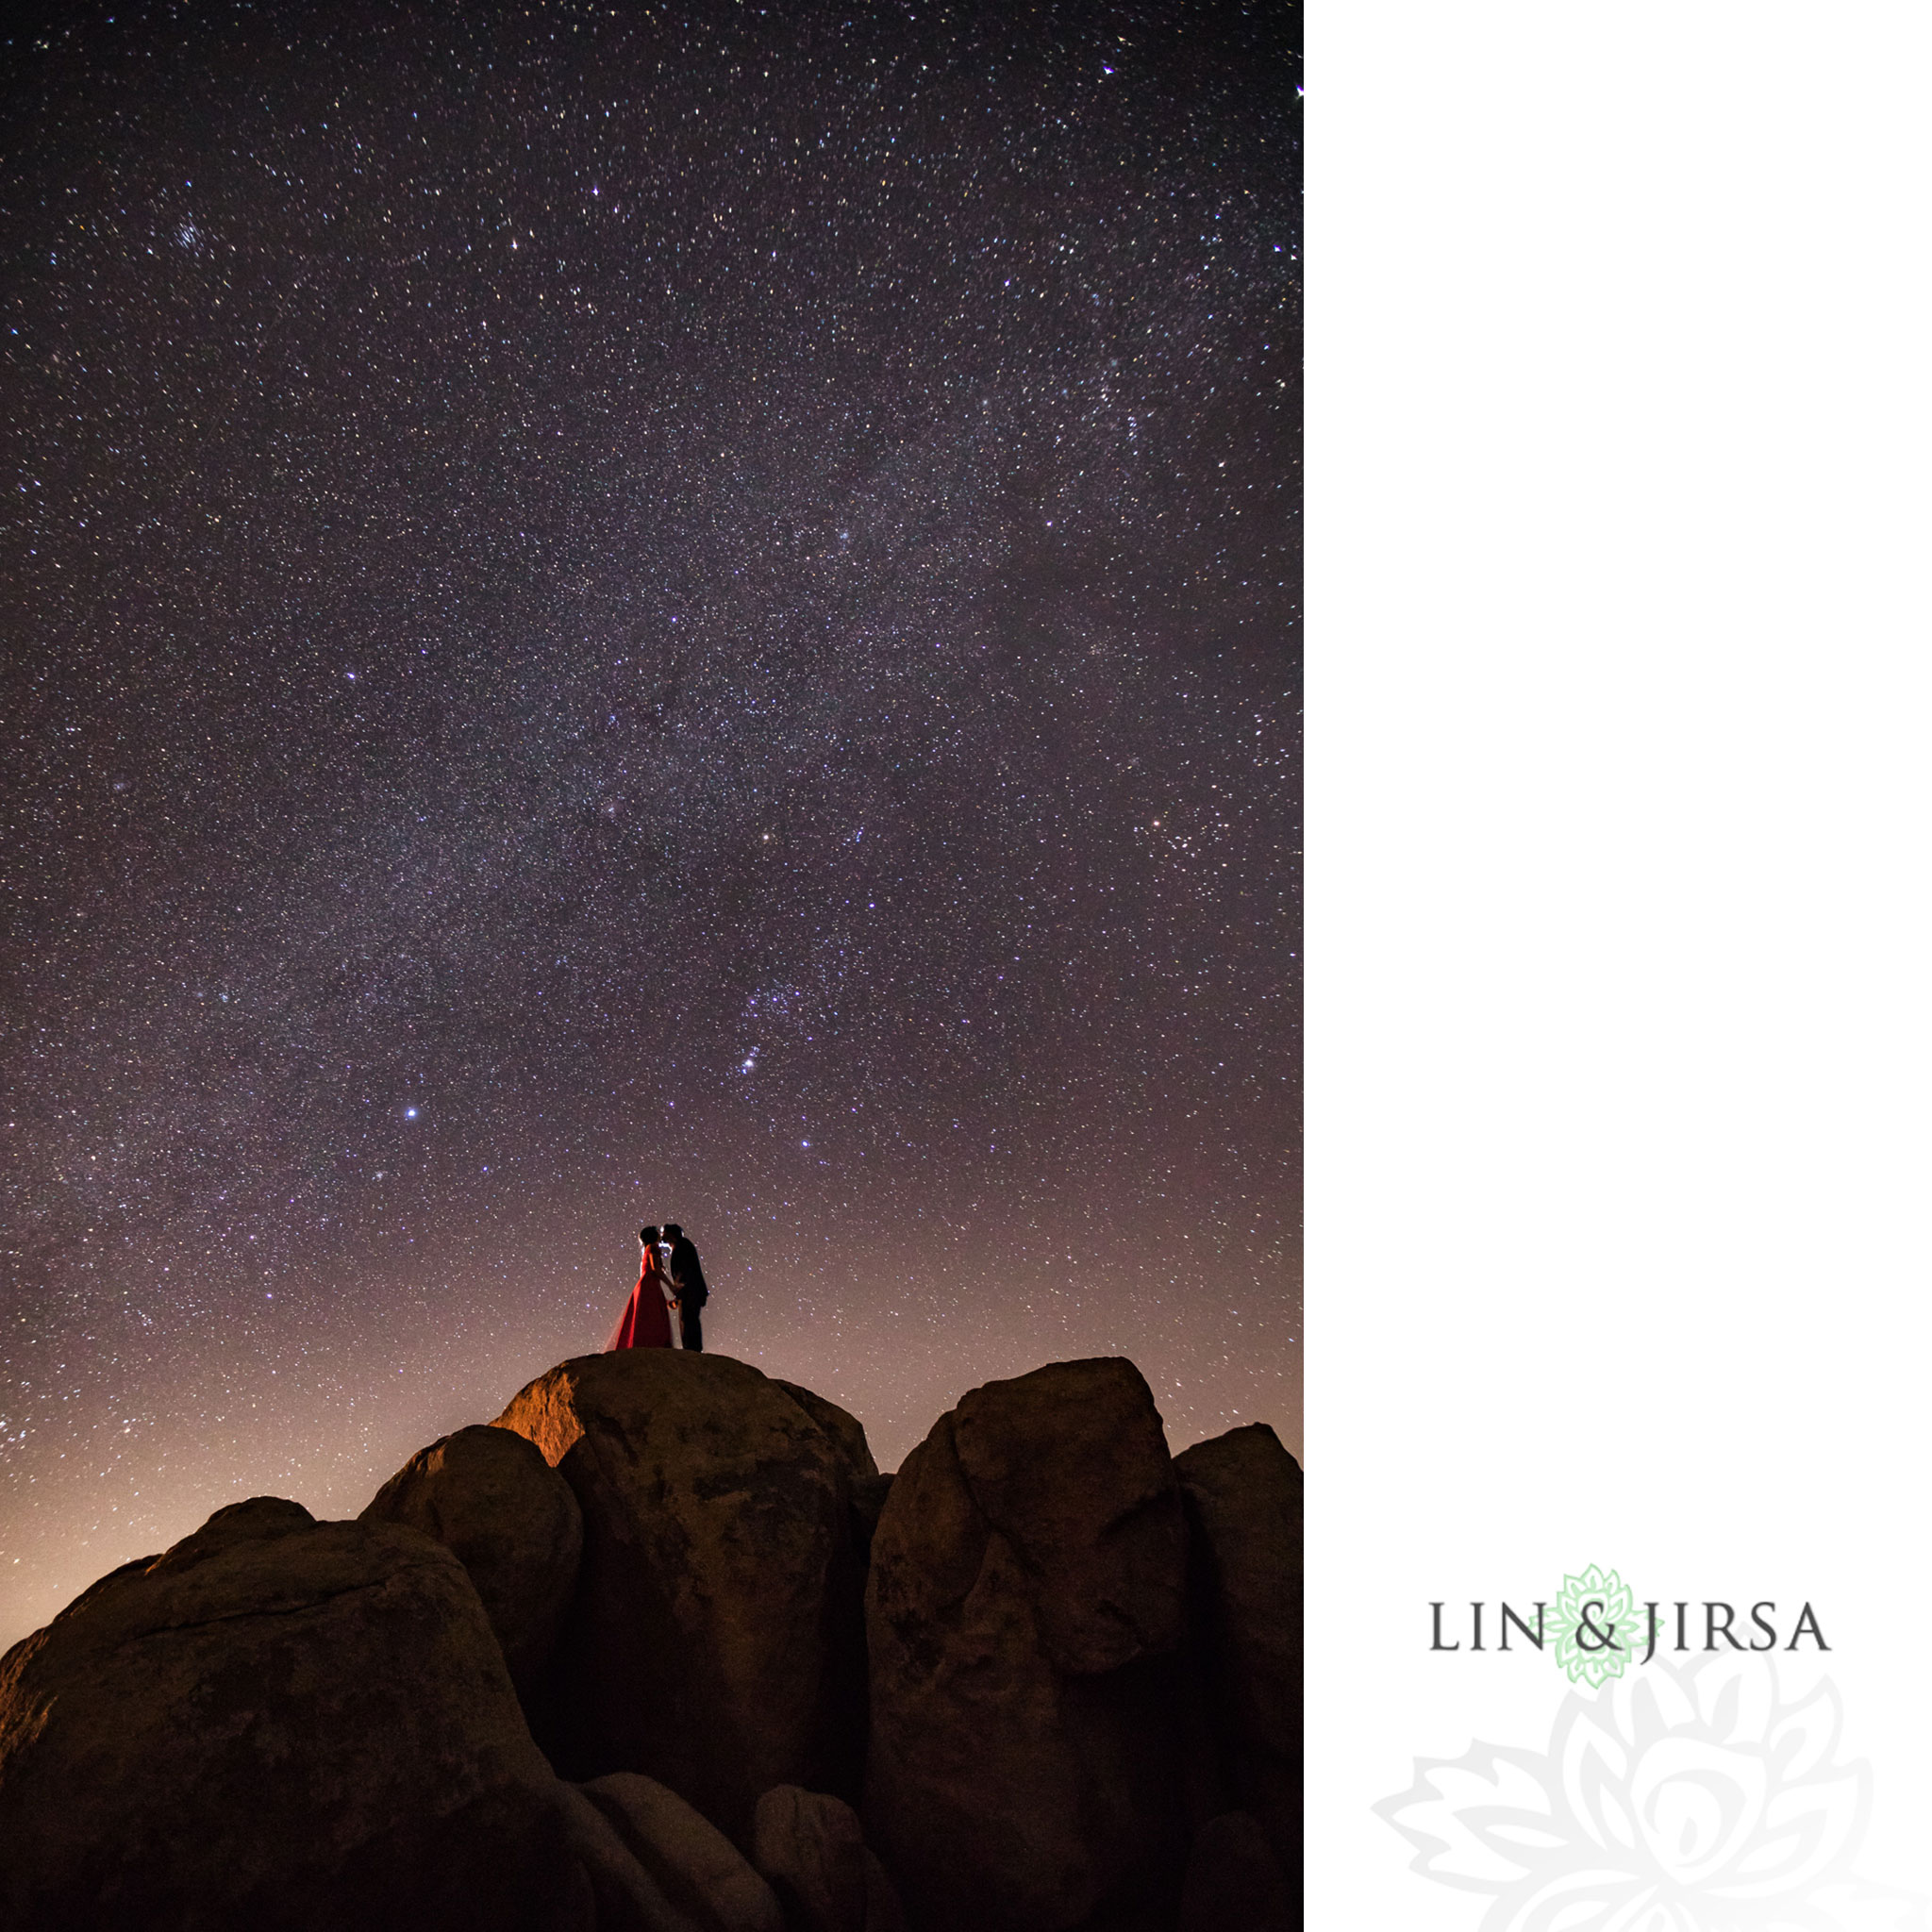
pixel 1597 1627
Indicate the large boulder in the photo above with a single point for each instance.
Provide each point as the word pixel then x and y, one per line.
pixel 869 1501
pixel 1243 1497
pixel 1026 1595
pixel 511 1521
pixel 715 1640
pixel 624 1897
pixel 883 1911
pixel 695 1864
pixel 847 1434
pixel 279 1723
pixel 1234 1881
pixel 846 1431
pixel 812 1849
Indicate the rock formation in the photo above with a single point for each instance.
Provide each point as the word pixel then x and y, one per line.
pixel 1083 1712
pixel 1243 1495
pixel 714 1641
pixel 277 1723
pixel 846 1431
pixel 511 1522
pixel 812 1848
pixel 697 1868
pixel 1027 1588
pixel 1234 1879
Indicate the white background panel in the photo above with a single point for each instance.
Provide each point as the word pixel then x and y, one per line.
pixel 1619 880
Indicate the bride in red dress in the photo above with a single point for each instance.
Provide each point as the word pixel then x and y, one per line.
pixel 646 1319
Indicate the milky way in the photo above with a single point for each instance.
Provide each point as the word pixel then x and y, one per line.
pixel 616 615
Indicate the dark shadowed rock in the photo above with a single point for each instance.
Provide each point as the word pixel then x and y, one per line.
pixel 869 1501
pixel 698 1869
pixel 1026 1593
pixel 847 1434
pixel 511 1521
pixel 1235 1881
pixel 260 1520
pixel 278 1724
pixel 883 1911
pixel 845 1430
pixel 1070 1465
pixel 714 1642
pixel 627 1897
pixel 1243 1494
pixel 810 1847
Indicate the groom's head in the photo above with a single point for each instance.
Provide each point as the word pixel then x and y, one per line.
pixel 673 1232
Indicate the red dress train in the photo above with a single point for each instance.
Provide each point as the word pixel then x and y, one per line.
pixel 646 1319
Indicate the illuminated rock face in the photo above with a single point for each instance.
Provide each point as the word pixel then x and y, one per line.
pixel 1065 1699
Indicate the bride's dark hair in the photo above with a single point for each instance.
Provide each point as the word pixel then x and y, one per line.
pixel 648 1235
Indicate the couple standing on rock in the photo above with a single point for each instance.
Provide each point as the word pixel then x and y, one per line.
pixel 663 1309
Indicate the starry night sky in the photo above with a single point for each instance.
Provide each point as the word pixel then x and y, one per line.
pixel 621 614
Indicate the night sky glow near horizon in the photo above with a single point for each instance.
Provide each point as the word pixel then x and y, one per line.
pixel 623 615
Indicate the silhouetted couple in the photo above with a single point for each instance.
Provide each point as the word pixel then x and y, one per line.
pixel 664 1309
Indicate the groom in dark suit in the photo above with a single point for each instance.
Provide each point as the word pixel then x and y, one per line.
pixel 688 1280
